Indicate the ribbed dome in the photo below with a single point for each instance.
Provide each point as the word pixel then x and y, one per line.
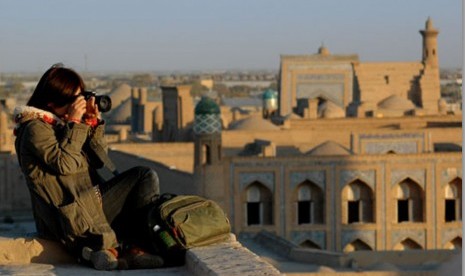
pixel 329 148
pixel 120 94
pixel 207 106
pixel 269 94
pixel 254 122
pixel 121 113
pixel 207 118
pixel 395 102
pixel 331 110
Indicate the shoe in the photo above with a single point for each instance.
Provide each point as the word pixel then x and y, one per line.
pixel 136 258
pixel 101 259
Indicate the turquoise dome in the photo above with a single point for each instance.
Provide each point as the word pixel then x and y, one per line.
pixel 270 94
pixel 207 106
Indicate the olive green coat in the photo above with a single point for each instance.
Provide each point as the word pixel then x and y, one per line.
pixel 60 178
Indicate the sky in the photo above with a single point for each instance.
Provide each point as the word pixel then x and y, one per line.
pixel 185 35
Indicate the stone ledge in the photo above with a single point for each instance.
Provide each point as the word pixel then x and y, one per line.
pixel 227 258
pixel 26 250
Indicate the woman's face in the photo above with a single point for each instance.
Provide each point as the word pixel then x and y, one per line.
pixel 62 111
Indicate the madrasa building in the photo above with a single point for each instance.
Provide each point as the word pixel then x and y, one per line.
pixel 347 156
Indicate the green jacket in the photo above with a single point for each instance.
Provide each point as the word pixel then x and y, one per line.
pixel 59 164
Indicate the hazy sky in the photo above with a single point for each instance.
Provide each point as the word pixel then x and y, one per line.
pixel 140 35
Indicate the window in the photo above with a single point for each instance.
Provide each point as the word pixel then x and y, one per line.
pixel 453 201
pixel 253 213
pixel 358 206
pixel 409 202
pixel 305 211
pixel 403 210
pixel 354 211
pixel 258 205
pixel 310 203
pixel 206 155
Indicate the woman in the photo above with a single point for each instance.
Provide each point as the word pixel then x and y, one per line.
pixel 60 144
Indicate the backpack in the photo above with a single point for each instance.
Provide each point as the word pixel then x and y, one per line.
pixel 179 222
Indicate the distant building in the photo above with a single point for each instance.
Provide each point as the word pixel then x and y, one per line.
pixel 365 157
pixel 309 83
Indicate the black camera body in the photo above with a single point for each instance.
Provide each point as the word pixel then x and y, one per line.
pixel 103 101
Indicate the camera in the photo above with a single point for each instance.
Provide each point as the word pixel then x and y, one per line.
pixel 103 101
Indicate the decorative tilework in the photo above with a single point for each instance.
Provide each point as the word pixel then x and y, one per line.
pixel 450 174
pixel 207 123
pixel 317 177
pixel 384 147
pixel 366 176
pixel 418 235
pixel 418 176
pixel 450 234
pixel 367 236
pixel 266 178
pixel 317 237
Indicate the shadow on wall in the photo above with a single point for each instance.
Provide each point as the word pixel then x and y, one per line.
pixel 171 180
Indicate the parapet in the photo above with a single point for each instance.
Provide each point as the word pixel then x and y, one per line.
pixel 227 258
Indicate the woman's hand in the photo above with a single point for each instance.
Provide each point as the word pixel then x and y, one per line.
pixel 92 109
pixel 76 110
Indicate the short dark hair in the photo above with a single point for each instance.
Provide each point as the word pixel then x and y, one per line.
pixel 57 85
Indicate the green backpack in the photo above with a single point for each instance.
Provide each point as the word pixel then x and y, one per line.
pixel 179 222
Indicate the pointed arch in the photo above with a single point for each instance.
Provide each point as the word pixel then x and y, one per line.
pixel 407 244
pixel 309 244
pixel 310 203
pixel 453 200
pixel 357 245
pixel 259 204
pixel 454 244
pixel 410 201
pixel 357 203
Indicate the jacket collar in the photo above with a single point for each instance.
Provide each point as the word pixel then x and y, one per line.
pixel 22 114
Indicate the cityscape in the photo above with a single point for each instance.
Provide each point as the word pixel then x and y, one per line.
pixel 327 163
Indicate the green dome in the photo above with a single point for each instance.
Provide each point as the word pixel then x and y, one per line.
pixel 207 106
pixel 269 94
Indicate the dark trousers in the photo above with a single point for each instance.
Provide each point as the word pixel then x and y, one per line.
pixel 126 199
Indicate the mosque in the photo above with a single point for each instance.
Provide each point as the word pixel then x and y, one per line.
pixel 345 156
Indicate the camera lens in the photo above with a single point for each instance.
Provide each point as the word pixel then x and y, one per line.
pixel 103 103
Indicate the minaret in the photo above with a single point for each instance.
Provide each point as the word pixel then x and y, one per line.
pixel 208 168
pixel 430 45
pixel 430 89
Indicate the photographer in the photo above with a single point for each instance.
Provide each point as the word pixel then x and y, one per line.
pixel 60 144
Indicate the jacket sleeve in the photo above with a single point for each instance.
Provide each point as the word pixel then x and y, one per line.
pixel 62 155
pixel 97 136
